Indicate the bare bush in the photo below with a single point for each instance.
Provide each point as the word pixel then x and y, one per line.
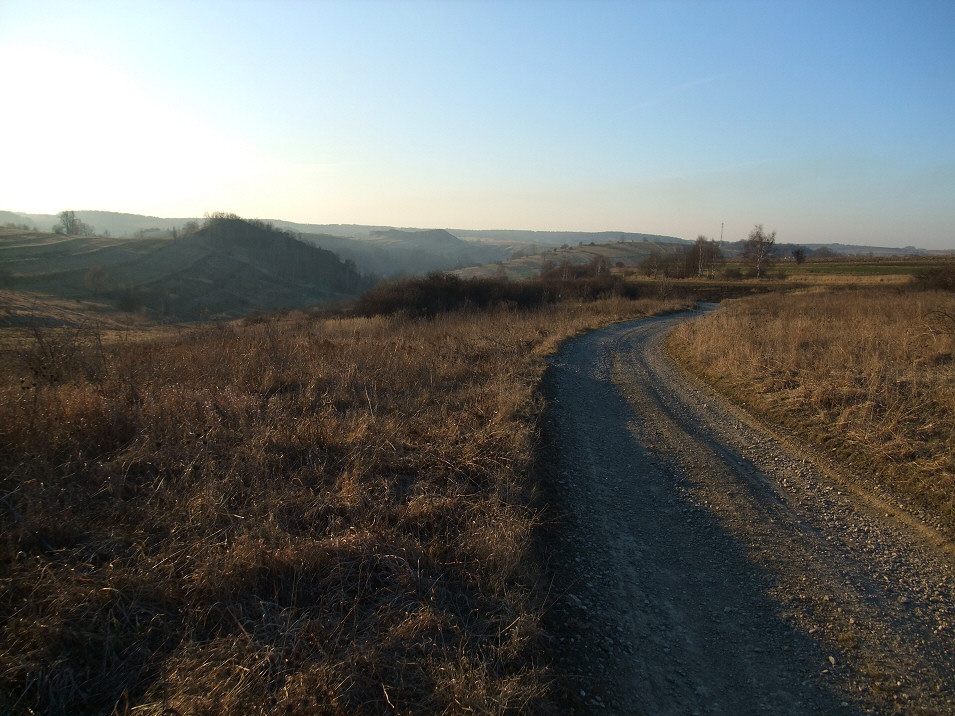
pixel 441 292
pixel 939 278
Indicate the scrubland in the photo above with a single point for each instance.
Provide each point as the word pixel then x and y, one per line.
pixel 868 374
pixel 283 515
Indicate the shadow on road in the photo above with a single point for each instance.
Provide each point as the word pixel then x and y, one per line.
pixel 657 608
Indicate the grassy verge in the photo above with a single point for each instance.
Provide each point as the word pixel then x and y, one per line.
pixel 296 515
pixel 868 374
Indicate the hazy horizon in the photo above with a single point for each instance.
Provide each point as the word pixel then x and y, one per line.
pixel 827 122
pixel 53 217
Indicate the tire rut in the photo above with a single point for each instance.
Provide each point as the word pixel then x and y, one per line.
pixel 704 566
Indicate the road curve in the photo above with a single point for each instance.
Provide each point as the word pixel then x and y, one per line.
pixel 703 565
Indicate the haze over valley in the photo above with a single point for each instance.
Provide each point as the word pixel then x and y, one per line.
pixel 224 266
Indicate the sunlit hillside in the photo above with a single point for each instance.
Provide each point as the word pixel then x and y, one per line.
pixel 622 253
pixel 228 267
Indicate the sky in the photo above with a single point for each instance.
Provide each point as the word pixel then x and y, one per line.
pixel 825 121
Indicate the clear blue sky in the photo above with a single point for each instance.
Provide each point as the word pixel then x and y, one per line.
pixel 826 121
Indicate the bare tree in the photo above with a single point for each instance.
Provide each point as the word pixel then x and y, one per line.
pixel 599 266
pixel 71 225
pixel 650 264
pixel 758 251
pixel 703 256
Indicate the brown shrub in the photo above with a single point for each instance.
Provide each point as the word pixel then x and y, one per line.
pixel 938 278
pixel 441 292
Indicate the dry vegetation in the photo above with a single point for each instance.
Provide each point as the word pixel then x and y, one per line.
pixel 295 515
pixel 869 374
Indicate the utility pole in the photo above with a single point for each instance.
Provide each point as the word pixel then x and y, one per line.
pixel 721 232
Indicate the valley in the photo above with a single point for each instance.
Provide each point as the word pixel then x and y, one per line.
pixel 251 478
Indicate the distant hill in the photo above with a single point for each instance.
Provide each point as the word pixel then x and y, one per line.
pixel 227 268
pixel 388 251
pixel 431 240
pixel 10 218
pixel 625 253
pixel 558 238
pixel 392 252
pixel 107 222
pixel 850 250
pixel 378 250
pixel 784 250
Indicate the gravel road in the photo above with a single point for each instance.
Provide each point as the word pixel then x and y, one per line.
pixel 704 564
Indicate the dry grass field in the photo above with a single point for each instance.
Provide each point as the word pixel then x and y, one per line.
pixel 867 373
pixel 291 515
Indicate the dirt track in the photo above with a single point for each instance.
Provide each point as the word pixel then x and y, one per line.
pixel 704 565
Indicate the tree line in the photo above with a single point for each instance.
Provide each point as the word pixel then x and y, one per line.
pixel 758 253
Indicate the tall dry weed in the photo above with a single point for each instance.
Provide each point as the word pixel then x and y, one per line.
pixel 297 515
pixel 869 374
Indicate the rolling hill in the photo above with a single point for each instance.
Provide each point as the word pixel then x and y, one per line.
pixel 392 252
pixel 387 251
pixel 227 268
pixel 559 238
pixel 625 253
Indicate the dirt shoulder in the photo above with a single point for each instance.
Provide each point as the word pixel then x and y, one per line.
pixel 701 565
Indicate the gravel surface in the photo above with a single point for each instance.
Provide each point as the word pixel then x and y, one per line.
pixel 704 564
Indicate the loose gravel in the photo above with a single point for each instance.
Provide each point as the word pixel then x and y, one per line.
pixel 703 563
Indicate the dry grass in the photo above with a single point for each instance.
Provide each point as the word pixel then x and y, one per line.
pixel 870 374
pixel 836 280
pixel 21 312
pixel 297 515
